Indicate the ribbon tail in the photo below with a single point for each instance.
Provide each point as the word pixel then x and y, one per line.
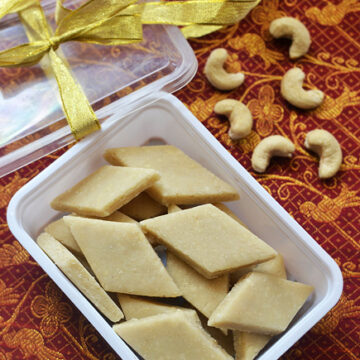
pixel 196 12
pixel 23 55
pixel 80 116
pixel 194 31
pixel 129 26
pixel 11 6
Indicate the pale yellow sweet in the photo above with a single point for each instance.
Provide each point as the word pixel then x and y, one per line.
pixel 121 257
pixel 81 278
pixel 143 207
pixel 248 345
pixel 118 216
pixel 223 337
pixel 183 180
pixel 274 267
pixel 173 208
pixel 227 211
pixel 261 303
pixel 200 234
pixel 61 232
pixel 105 190
pixel 85 264
pixel 204 294
pixel 176 335
pixel 136 307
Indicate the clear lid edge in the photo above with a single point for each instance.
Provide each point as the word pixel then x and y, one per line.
pixel 124 106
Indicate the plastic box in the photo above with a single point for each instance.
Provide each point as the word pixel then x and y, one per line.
pixel 169 121
pixel 114 79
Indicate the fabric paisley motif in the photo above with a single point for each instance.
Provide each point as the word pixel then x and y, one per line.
pixel 10 189
pixel 328 209
pixel 344 308
pixel 31 344
pixel 332 14
pixel 333 107
pixel 255 45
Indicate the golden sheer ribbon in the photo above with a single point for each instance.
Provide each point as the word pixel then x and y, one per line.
pixel 106 22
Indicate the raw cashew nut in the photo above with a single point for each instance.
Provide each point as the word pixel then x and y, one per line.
pixel 239 116
pixel 293 92
pixel 327 147
pixel 294 29
pixel 275 145
pixel 217 75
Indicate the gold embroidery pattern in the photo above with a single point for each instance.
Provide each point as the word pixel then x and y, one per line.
pixel 350 270
pixel 4 355
pixel 10 189
pixel 248 144
pixel 332 14
pixel 51 310
pixel 344 309
pixel 12 254
pixel 7 295
pixel 264 14
pixel 265 111
pixel 255 46
pixel 31 343
pixel 333 107
pixel 328 210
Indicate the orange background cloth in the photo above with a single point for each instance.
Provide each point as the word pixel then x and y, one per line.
pixel 37 321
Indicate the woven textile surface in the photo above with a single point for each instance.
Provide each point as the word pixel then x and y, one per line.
pixel 37 321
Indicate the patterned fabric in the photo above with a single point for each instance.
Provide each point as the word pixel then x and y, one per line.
pixel 38 322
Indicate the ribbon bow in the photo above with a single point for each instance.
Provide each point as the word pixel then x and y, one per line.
pixel 106 22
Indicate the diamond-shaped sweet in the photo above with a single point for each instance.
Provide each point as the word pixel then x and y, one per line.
pixel 176 335
pixel 121 257
pixel 183 180
pixel 261 303
pixel 204 294
pixel 105 190
pixel 208 240
pixel 77 273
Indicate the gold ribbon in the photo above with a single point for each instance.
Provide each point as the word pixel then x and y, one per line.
pixel 7 7
pixel 106 22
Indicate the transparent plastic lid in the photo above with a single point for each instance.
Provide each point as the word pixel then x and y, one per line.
pixel 114 79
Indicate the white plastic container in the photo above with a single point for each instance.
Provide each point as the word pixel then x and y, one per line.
pixel 168 120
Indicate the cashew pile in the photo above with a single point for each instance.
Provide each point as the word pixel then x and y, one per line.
pixel 294 29
pixel 274 145
pixel 217 75
pixel 293 92
pixel 240 117
pixel 327 147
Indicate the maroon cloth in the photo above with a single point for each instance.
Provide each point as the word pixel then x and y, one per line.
pixel 38 322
